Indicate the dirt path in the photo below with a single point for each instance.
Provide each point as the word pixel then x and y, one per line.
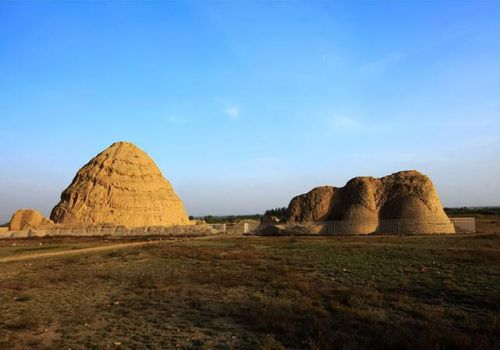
pixel 78 251
pixel 96 249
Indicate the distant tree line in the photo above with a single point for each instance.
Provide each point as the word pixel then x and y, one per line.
pixel 278 212
pixel 473 210
pixel 229 219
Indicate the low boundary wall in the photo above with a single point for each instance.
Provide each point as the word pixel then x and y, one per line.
pixel 384 226
pixel 235 229
pixel 464 225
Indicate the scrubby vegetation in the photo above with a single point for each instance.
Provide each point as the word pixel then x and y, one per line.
pixel 277 212
pixel 211 219
pixel 472 211
pixel 250 293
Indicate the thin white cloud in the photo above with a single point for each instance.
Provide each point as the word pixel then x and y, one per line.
pixel 347 124
pixel 177 120
pixel 382 64
pixel 343 123
pixel 233 112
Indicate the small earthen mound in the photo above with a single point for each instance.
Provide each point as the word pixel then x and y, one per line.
pixel 370 205
pixel 26 219
pixel 121 186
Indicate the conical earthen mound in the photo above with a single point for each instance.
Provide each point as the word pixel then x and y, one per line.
pixel 121 186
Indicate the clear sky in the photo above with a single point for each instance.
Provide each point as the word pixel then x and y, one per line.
pixel 245 104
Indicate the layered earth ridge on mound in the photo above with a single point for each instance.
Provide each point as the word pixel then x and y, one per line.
pixel 120 186
pixel 367 201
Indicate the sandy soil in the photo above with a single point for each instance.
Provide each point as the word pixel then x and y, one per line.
pixel 75 251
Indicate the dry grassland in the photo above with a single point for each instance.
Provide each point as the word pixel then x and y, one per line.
pixel 254 292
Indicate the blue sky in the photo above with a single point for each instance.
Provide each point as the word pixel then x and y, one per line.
pixel 246 104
